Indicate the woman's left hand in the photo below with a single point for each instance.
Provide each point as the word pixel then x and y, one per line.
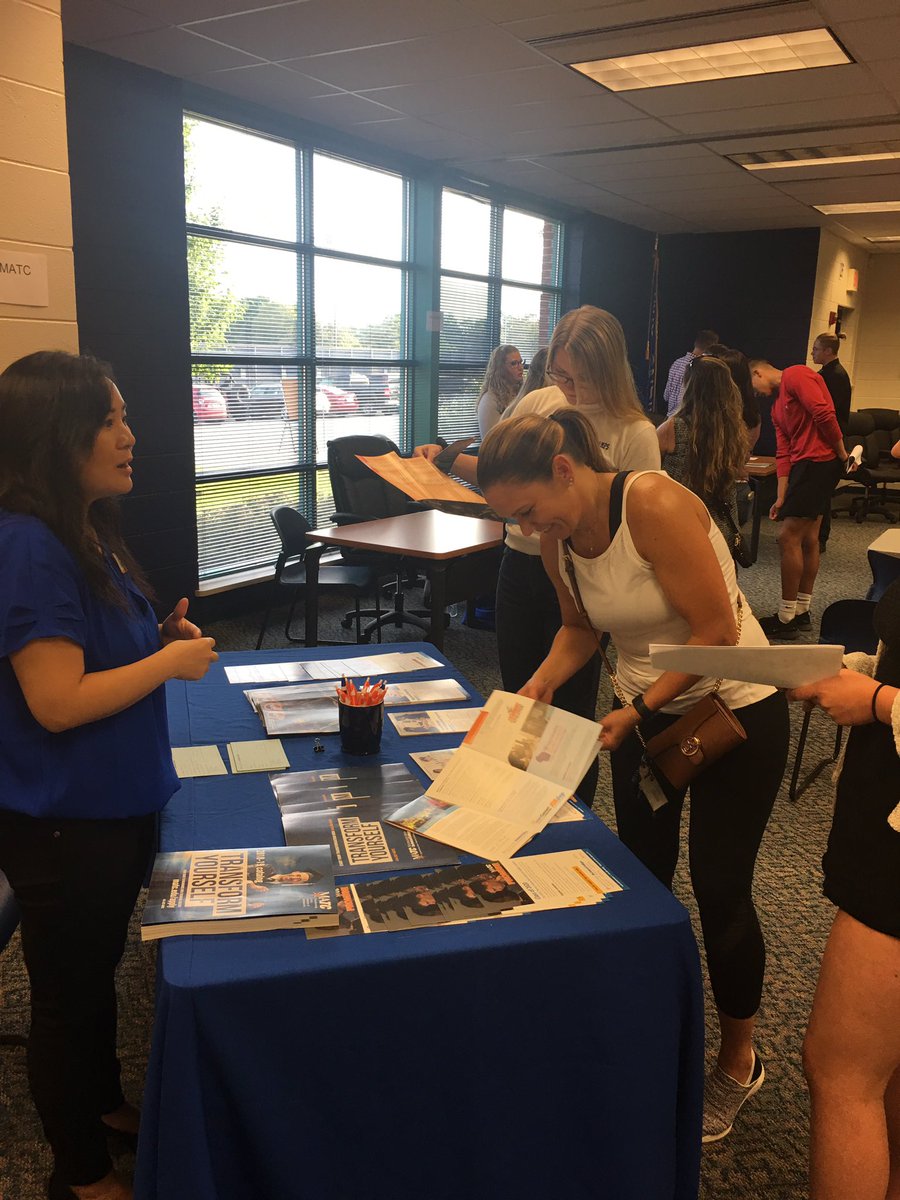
pixel 616 726
pixel 846 697
pixel 176 627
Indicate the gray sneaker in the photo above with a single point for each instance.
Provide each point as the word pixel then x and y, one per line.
pixel 723 1098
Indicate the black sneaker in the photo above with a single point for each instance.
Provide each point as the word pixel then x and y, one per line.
pixel 774 627
pixel 804 622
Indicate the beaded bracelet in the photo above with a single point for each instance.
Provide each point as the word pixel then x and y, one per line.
pixel 875 700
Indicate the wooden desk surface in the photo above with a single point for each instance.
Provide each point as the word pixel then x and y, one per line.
pixel 428 534
pixel 887 543
pixel 761 465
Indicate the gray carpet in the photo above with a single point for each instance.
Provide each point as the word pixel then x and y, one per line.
pixel 766 1153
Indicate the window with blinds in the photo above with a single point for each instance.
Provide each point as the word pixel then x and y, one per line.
pixel 299 278
pixel 500 284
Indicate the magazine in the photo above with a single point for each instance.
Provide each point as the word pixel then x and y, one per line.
pixel 432 762
pixel 236 891
pixel 518 765
pixel 443 720
pixel 347 807
pixel 313 707
pixel 474 891
pixel 373 665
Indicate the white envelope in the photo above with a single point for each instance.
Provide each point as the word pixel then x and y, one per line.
pixel 780 666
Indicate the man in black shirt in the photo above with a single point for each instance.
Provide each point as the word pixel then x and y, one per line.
pixel 825 356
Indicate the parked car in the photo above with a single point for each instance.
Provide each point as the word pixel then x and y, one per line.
pixel 335 401
pixel 237 396
pixel 266 400
pixel 209 403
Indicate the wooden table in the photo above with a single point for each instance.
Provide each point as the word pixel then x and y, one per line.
pixel 758 468
pixel 435 537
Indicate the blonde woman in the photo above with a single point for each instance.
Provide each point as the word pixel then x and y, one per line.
pixel 588 368
pixel 502 381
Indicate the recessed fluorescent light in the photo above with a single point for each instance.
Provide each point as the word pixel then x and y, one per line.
pixel 877 206
pixel 717 60
pixel 895 237
pixel 819 162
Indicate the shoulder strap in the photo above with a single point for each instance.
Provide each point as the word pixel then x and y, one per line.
pixel 616 493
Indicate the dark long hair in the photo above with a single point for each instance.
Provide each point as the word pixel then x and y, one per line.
pixel 717 438
pixel 737 364
pixel 52 406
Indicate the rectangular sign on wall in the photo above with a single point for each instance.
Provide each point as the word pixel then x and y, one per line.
pixel 23 279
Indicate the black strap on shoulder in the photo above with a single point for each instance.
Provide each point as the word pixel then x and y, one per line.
pixel 615 502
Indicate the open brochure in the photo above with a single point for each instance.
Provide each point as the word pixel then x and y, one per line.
pixel 432 762
pixel 518 765
pixel 434 721
pixel 471 892
pixel 313 707
pixel 373 665
pixel 347 807
pixel 779 666
pixel 418 478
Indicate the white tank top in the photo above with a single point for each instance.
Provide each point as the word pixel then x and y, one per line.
pixel 622 595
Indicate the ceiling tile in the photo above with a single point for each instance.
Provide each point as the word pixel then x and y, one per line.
pixel 888 75
pixel 602 168
pixel 872 40
pixel 822 135
pixel 90 21
pixel 180 12
pixel 849 10
pixel 419 60
pixel 317 26
pixel 566 19
pixel 845 191
pixel 420 138
pixel 266 84
pixel 175 51
pixel 769 117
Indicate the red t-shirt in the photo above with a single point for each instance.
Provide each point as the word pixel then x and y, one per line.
pixel 804 420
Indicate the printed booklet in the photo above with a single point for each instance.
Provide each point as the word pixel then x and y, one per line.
pixel 313 707
pixel 236 891
pixel 373 665
pixel 347 807
pixel 472 891
pixel 518 765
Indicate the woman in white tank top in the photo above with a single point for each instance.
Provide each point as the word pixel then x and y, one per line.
pixel 659 572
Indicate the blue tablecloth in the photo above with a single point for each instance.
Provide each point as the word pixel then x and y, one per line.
pixel 554 1057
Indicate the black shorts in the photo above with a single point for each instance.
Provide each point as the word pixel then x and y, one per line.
pixel 810 487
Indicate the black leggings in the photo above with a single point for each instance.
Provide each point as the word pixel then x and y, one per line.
pixel 730 805
pixel 76 883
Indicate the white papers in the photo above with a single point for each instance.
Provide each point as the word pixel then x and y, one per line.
pixel 779 666
pixel 373 665
pixel 193 762
pixel 436 720
pixel 518 766
pixel 266 755
pixel 313 707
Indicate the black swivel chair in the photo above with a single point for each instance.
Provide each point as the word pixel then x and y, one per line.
pixel 361 495
pixel 847 623
pixel 359 579
pixel 9 919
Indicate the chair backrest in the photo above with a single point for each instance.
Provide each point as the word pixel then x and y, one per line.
pixel 860 423
pixel 355 488
pixel 850 623
pixel 882 418
pixel 291 527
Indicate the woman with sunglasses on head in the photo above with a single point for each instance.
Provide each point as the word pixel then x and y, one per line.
pixel 85 761
pixel 502 381
pixel 704 442
pixel 587 366
pixel 650 566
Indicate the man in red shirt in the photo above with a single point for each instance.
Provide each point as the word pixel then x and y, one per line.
pixel 810 454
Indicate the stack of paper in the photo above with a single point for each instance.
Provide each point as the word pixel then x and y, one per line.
pixel 257 756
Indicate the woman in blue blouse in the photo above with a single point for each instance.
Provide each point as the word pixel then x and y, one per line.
pixel 85 762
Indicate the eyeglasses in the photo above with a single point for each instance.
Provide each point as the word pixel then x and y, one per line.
pixel 560 378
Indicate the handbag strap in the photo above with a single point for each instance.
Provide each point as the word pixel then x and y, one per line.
pixel 615 520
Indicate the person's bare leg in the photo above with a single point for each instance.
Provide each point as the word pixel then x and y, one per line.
pixel 811 553
pixel 892 1112
pixel 790 549
pixel 125 1119
pixel 851 1053
pixel 736 1046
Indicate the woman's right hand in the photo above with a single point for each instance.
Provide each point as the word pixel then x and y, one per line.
pixel 537 688
pixel 430 451
pixel 191 659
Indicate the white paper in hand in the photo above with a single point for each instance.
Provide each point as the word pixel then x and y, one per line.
pixel 779 666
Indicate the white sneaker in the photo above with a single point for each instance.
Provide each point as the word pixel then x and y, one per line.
pixel 723 1098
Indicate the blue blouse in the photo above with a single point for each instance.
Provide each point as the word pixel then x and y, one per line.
pixel 119 766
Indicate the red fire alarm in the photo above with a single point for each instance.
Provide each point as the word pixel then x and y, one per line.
pixel 832 319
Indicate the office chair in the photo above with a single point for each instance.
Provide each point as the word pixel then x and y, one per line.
pixel 9 920
pixel 847 623
pixel 290 572
pixel 361 495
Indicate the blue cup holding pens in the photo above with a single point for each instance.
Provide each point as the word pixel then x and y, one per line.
pixel 360 727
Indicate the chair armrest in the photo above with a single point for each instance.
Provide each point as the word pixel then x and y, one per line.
pixel 342 518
